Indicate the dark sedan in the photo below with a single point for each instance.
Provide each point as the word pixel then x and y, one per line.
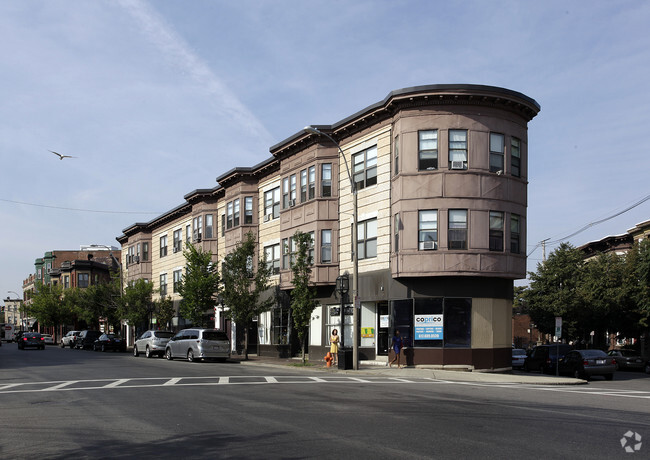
pixel 587 363
pixel 626 359
pixel 108 342
pixel 31 339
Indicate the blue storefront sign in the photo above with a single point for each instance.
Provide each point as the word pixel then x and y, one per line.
pixel 428 327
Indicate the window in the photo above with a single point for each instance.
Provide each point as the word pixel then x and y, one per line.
pixel 163 246
pixel 364 168
pixel 83 280
pixel 428 230
pixel 310 251
pixel 367 239
pixel 396 150
pixel 272 204
pixel 145 252
pixel 188 233
pixel 285 253
pixel 496 152
pixel 178 274
pixel 130 255
pixel 209 226
pixel 248 210
pixel 273 258
pixel 396 233
pixel 197 225
pixel 66 281
pixel 177 240
pixel 515 157
pixel 137 252
pixel 285 193
pixel 223 224
pixel 229 215
pixel 303 185
pixel 326 179
pixel 281 324
pixel 312 182
pixel 292 190
pixel 458 149
pixel 428 150
pixel 163 284
pixel 457 229
pixel 326 246
pixel 515 231
pixel 496 231
pixel 235 220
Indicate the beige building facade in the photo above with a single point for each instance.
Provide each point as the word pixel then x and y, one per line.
pixel 441 173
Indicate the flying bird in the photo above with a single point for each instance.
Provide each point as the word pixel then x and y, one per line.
pixel 61 157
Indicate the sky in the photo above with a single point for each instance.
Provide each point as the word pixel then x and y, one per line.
pixel 156 99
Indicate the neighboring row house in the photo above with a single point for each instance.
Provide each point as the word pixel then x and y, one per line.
pixel 441 173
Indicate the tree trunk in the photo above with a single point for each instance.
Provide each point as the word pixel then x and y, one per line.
pixel 245 344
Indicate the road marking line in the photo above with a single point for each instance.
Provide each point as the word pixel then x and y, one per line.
pixel 224 380
pixel 173 381
pixel 271 380
pixel 317 379
pixel 61 385
pixel 9 385
pixel 116 383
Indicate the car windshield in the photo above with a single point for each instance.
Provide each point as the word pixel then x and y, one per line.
pixel 214 335
pixel 163 334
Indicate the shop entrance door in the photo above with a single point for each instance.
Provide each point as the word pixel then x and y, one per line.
pixel 383 328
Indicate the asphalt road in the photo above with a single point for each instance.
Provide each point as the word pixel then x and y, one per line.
pixel 62 403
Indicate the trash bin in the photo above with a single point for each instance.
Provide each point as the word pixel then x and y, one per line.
pixel 345 358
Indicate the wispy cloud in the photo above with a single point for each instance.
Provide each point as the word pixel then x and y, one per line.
pixel 179 53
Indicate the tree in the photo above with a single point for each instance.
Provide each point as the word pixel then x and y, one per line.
pixel 199 286
pixel 48 308
pixel 243 285
pixel 136 303
pixel 553 290
pixel 302 295
pixel 164 309
pixel 101 300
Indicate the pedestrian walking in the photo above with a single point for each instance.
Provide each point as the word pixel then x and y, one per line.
pixel 397 345
pixel 334 345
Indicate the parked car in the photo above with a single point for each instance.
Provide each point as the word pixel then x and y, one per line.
pixel 31 339
pixel 587 363
pixel 48 339
pixel 518 358
pixel 69 339
pixel 627 359
pixel 197 344
pixel 108 342
pixel 86 339
pixel 152 343
pixel 543 358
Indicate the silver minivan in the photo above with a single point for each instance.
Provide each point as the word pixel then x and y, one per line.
pixel 152 343
pixel 196 344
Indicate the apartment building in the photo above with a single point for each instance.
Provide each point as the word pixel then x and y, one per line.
pixel 441 175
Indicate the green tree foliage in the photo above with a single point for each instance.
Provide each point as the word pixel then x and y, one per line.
pixel 607 293
pixel 302 295
pixel 136 303
pixel 199 286
pixel 100 300
pixel 48 307
pixel 244 286
pixel 164 309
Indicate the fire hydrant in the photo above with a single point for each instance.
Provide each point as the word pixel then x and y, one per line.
pixel 328 359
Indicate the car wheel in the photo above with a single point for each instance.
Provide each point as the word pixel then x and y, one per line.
pixel 577 374
pixel 62 345
pixel 190 356
pixel 135 351
pixel 103 348
pixel 147 352
pixel 168 354
pixel 609 376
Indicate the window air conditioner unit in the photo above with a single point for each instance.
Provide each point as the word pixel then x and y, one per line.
pixel 292 203
pixel 457 164
pixel 176 249
pixel 428 245
pixel 268 217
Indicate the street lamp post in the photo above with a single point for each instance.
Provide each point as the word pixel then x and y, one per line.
pixel 355 258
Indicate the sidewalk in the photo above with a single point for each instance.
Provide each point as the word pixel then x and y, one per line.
pixel 373 369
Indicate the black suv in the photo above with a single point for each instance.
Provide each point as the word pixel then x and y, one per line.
pixel 86 339
pixel 543 358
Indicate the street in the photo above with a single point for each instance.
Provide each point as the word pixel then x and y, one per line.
pixel 62 403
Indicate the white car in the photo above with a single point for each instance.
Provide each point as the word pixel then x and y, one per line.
pixel 152 343
pixel 518 358
pixel 47 338
pixel 69 339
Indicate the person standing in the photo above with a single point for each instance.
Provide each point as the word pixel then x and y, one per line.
pixel 397 346
pixel 334 345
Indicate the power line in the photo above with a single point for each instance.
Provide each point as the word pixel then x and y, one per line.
pixel 77 209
